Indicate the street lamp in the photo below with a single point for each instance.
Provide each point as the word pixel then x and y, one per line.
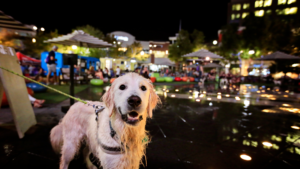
pixel 33 40
pixel 34 28
pixel 251 52
pixel 42 29
pixel 207 58
pixel 119 43
pixel 215 42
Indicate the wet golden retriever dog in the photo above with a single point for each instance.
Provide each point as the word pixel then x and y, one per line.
pixel 115 137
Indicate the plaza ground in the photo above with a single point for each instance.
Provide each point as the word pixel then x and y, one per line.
pixel 208 127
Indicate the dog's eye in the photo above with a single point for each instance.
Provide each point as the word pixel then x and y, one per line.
pixel 122 87
pixel 143 88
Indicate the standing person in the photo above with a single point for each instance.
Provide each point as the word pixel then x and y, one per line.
pixel 111 73
pixel 145 73
pixel 118 71
pixel 200 71
pixel 105 72
pixel 51 65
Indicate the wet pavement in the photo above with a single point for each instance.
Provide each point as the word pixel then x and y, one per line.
pixel 207 127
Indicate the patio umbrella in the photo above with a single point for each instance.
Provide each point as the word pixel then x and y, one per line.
pixel 203 53
pixel 81 39
pixel 279 56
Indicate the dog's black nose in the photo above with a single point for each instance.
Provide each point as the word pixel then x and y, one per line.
pixel 134 101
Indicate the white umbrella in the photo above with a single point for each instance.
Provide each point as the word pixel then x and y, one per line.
pixel 203 53
pixel 279 56
pixel 81 39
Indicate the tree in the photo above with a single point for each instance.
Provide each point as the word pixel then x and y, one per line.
pixel 35 49
pixel 93 52
pixel 91 30
pixel 135 51
pixel 182 46
pixel 8 39
pixel 197 39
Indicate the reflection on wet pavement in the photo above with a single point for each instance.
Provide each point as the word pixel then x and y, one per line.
pixel 230 127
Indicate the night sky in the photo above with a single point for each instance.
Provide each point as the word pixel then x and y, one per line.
pixel 146 20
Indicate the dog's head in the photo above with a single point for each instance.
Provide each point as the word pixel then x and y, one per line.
pixel 131 96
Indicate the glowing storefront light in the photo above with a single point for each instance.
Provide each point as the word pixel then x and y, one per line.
pixel 207 58
pixel 281 2
pixel 246 6
pixel 267 3
pixel 286 105
pixel 227 95
pixel 259 13
pixel 219 97
pixel 246 103
pixel 237 98
pixel 197 100
pixel 142 52
pixel 259 3
pixel 123 38
pixel 173 95
pixel 33 40
pixel 176 90
pixel 208 98
pixel 291 1
pixel 268 144
pixel 236 7
pixel 34 28
pixel 74 47
pixel 295 127
pixel 245 157
pixel 190 97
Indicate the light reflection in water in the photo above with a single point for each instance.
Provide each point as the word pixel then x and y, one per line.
pixel 245 157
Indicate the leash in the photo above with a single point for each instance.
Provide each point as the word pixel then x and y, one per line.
pixel 60 92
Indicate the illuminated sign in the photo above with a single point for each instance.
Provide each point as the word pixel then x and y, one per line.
pixel 123 38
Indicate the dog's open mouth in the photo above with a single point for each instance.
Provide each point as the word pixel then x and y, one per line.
pixel 132 117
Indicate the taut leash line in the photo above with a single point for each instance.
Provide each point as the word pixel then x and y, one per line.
pixel 60 92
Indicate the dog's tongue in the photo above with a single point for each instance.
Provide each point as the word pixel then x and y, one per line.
pixel 132 118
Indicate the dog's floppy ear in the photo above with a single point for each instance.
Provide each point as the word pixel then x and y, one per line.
pixel 108 99
pixel 153 99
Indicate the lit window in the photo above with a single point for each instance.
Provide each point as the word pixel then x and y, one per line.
pixel 269 12
pixel 280 12
pixel 232 16
pixel 281 2
pixel 259 13
pixel 291 1
pixel 291 11
pixel 237 16
pixel 245 14
pixel 236 7
pixel 246 6
pixel 267 3
pixel 259 3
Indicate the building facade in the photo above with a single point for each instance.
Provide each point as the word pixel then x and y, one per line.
pixel 239 9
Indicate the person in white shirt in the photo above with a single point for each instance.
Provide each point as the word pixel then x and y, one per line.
pixel 118 71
